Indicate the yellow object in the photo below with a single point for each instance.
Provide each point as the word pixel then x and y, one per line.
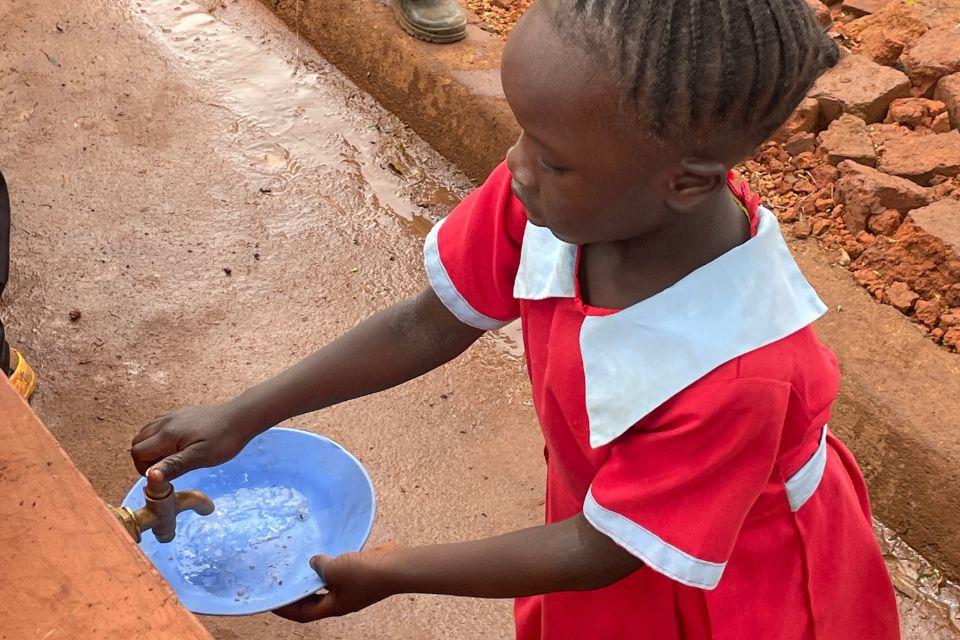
pixel 742 208
pixel 23 378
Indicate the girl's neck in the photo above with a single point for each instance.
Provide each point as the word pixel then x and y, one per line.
pixel 616 275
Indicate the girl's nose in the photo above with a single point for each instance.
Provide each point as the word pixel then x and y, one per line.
pixel 518 161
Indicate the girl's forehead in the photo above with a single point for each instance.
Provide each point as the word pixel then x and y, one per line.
pixel 549 79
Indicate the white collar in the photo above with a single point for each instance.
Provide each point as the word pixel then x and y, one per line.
pixel 640 357
pixel 547 266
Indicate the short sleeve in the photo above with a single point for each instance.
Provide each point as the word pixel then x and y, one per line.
pixel 676 489
pixel 472 256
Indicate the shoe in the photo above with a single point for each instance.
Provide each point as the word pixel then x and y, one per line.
pixel 438 21
pixel 23 378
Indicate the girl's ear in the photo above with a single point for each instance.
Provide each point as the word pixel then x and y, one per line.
pixel 693 181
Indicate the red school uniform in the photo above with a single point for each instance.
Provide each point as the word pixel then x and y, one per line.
pixel 691 428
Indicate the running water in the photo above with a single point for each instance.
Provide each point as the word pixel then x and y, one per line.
pixel 252 538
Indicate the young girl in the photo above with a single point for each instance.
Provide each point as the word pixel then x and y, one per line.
pixel 693 487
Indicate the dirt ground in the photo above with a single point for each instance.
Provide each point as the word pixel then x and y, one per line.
pixel 210 202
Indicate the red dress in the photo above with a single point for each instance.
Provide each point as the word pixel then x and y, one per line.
pixel 691 428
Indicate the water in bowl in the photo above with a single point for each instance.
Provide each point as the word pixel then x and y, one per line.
pixel 250 540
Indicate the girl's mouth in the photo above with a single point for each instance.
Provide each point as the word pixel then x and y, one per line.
pixel 532 214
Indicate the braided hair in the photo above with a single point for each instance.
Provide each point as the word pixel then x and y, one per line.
pixel 699 69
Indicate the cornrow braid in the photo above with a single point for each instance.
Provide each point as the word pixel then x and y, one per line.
pixel 718 68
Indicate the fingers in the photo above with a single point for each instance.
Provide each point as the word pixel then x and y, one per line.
pixel 148 430
pixel 177 464
pixel 319 563
pixel 315 607
pixel 147 452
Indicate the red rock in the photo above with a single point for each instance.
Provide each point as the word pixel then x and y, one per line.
pixel 823 204
pixel 913 112
pixel 941 124
pixel 950 319
pixel 884 34
pixel 936 334
pixel 948 92
pixel 884 223
pixel 801 143
pixel 847 138
pixel 802 120
pixel 927 312
pixel 952 338
pixel 866 277
pixel 801 229
pixel 820 226
pixel 919 158
pixel 853 248
pixel 864 192
pixel 859 86
pixel 934 13
pixel 884 133
pixel 805 159
pixel 895 19
pixel 787 214
pixel 942 221
pixel 900 296
pixel 825 175
pixel 942 190
pixel 884 50
pixel 824 193
pixel 860 8
pixel 866 239
pixel 822 12
pixel 952 296
pixel 804 187
pixel 928 266
pixel 935 55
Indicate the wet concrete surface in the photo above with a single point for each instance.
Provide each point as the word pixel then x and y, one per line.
pixel 216 202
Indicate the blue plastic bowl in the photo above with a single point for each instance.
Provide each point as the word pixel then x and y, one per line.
pixel 288 496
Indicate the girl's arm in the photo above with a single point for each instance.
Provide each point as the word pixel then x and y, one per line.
pixel 565 556
pixel 389 348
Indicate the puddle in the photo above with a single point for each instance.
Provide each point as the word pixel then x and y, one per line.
pixel 296 114
pixel 918 580
pixel 247 542
pixel 314 121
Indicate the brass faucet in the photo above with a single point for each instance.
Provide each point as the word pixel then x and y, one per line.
pixel 163 504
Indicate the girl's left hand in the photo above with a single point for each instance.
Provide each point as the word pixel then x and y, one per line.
pixel 353 581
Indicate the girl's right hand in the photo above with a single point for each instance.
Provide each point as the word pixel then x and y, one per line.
pixel 190 438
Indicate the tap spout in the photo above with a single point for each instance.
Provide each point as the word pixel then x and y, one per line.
pixel 163 505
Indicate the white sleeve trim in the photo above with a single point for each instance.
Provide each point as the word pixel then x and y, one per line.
pixel 447 292
pixel 659 555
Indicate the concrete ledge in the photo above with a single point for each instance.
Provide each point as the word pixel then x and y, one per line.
pixel 898 411
pixel 898 408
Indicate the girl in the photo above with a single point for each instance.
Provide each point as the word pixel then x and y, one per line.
pixel 693 487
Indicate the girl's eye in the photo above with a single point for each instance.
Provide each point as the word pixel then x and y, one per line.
pixel 549 167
